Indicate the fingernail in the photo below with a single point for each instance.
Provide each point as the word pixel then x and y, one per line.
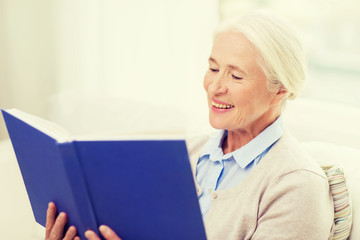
pixel 105 231
pixel 72 229
pixel 88 233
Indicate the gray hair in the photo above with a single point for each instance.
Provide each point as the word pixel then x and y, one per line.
pixel 281 54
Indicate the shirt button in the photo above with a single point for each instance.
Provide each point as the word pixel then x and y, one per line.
pixel 214 195
pixel 209 190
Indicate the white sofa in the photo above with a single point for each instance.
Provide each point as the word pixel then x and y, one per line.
pixel 329 132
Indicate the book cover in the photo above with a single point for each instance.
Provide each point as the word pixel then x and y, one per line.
pixel 143 189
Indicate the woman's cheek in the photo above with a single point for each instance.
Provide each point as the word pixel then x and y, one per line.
pixel 207 81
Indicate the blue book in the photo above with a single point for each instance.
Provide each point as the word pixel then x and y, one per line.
pixel 143 189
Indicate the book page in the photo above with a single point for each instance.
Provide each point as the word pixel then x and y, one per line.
pixel 117 136
pixel 49 128
pixel 61 135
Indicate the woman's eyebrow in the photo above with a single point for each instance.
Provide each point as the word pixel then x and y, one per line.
pixel 212 60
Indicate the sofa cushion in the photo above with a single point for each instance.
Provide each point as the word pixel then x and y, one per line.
pixel 344 159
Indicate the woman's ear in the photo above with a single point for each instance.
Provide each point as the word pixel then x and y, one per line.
pixel 281 94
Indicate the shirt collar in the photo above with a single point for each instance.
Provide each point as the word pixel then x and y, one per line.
pixel 247 153
pixel 213 148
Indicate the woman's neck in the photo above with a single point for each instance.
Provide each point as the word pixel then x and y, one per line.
pixel 235 139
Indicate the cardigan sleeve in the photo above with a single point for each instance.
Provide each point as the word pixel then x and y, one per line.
pixel 296 205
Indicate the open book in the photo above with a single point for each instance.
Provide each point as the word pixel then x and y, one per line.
pixel 142 188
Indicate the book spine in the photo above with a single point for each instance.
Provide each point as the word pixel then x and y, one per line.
pixel 84 218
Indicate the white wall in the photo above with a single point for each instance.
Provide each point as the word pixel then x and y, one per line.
pixel 27 76
pixel 154 51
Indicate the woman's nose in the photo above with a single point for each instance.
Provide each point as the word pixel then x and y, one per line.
pixel 219 85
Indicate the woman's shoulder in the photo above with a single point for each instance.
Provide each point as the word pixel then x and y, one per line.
pixel 289 156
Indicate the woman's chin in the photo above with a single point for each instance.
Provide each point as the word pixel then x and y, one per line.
pixel 217 124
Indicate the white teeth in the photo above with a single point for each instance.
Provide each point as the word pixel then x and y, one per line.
pixel 222 106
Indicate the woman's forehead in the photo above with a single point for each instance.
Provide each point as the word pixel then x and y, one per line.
pixel 233 49
pixel 234 42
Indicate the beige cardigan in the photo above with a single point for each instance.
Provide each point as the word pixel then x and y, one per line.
pixel 286 196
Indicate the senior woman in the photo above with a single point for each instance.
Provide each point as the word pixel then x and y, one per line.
pixel 252 178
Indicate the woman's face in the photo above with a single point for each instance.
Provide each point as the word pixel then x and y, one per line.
pixel 236 86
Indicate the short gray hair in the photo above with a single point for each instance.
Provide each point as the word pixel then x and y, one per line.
pixel 281 52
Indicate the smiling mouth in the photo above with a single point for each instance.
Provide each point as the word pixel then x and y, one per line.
pixel 222 106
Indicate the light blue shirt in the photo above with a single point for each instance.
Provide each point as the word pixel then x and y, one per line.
pixel 216 171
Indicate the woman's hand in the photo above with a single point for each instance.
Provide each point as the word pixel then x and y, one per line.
pixel 55 226
pixel 105 231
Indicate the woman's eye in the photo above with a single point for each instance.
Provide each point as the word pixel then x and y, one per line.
pixel 213 69
pixel 236 77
